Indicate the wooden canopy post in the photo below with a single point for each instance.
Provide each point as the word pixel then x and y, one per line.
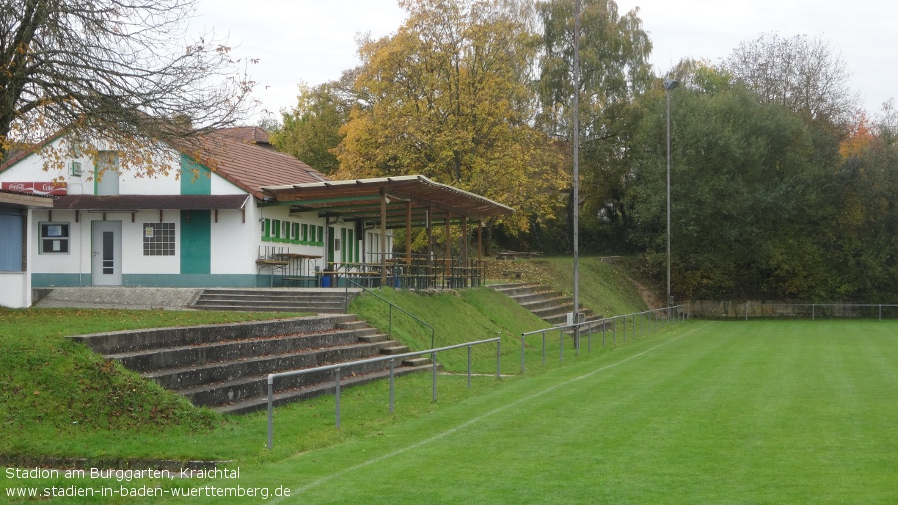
pixel 408 233
pixel 383 239
pixel 464 240
pixel 427 216
pixel 480 269
pixel 447 260
pixel 479 240
pixel 465 271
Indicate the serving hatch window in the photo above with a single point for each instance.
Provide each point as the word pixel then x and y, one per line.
pixel 54 238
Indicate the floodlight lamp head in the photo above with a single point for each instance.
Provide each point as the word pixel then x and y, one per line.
pixel 670 84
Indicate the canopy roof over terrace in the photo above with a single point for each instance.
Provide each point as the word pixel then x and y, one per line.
pixel 411 201
pixel 405 201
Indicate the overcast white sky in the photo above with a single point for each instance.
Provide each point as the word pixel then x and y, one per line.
pixel 314 40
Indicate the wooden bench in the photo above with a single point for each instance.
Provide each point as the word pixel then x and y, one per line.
pixel 273 265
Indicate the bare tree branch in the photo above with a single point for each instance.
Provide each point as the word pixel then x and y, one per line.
pixel 803 74
pixel 126 68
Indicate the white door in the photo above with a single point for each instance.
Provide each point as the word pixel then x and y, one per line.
pixel 106 249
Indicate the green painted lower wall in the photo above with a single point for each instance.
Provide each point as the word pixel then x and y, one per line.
pixel 192 280
pixel 60 280
pixel 158 280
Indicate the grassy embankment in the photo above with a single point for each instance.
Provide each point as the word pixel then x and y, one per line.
pixel 57 399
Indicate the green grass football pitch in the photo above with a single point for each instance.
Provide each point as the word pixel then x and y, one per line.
pixel 702 412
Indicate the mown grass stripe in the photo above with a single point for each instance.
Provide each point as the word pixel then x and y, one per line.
pixel 481 417
pixel 759 412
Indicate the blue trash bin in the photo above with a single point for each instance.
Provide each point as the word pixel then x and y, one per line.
pixel 326 281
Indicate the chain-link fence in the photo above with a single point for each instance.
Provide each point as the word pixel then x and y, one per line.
pixel 773 310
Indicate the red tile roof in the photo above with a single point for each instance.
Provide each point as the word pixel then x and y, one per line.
pixel 247 134
pixel 241 155
pixel 250 167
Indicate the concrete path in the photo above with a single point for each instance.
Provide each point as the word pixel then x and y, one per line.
pixel 118 297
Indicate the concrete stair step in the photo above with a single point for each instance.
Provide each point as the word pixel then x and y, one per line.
pixel 507 285
pixel 376 338
pixel 352 325
pixel 547 303
pixel 294 295
pixel 552 310
pixel 393 350
pixel 560 318
pixel 195 355
pixel 279 308
pixel 192 376
pixel 521 289
pixel 275 300
pixel 226 366
pixel 280 291
pixel 262 304
pixel 255 386
pixel 537 296
pixel 160 338
pixel 414 362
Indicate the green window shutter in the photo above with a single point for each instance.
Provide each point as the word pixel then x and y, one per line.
pixel 266 230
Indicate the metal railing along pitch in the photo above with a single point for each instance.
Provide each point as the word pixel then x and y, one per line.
pixel 392 359
pixel 391 306
pixel 637 327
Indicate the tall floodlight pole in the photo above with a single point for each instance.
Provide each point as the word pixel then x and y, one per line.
pixel 576 196
pixel 669 85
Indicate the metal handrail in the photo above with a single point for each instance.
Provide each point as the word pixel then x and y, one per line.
pixel 603 322
pixel 392 359
pixel 391 305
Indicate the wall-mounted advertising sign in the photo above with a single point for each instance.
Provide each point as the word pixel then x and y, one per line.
pixel 36 188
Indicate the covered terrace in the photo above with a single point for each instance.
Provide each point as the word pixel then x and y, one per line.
pixel 405 202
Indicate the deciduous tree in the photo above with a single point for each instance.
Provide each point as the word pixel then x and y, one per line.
pixel 311 130
pixel 614 51
pixel 123 70
pixel 449 96
pixel 746 198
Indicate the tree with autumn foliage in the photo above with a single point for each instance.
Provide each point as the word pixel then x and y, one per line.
pixel 859 137
pixel 448 96
pixel 864 224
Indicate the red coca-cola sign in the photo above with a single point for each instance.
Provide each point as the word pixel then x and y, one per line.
pixel 36 188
